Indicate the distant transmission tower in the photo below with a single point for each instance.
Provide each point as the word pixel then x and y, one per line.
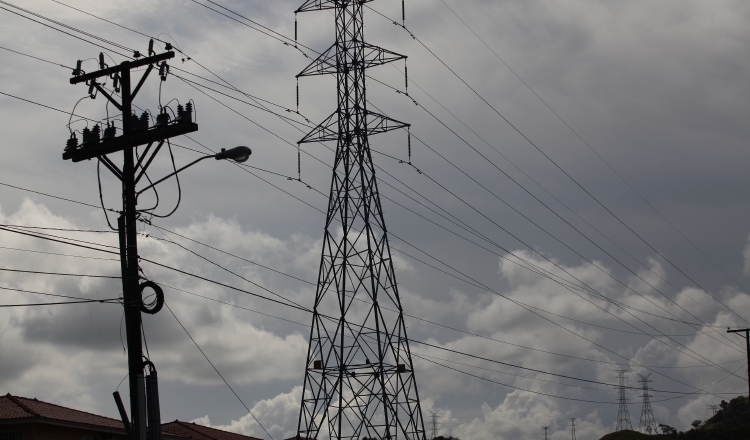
pixel 623 416
pixel 434 417
pixel 648 423
pixel 545 432
pixel 714 409
pixel 573 428
pixel 359 379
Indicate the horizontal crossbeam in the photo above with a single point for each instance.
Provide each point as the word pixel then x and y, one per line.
pixel 132 139
pixel 125 65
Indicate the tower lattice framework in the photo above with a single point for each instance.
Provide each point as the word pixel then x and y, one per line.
pixel 623 415
pixel 648 422
pixel 359 378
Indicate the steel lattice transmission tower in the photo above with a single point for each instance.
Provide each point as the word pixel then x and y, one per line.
pixel 573 428
pixel 648 423
pixel 359 378
pixel 623 416
pixel 434 417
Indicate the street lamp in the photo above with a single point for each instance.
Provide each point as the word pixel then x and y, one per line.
pixel 237 154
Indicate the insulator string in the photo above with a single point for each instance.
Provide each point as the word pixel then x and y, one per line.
pixel 299 164
pixel 408 131
pixel 298 95
pixel 406 77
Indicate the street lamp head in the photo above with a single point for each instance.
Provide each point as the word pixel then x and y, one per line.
pixel 237 154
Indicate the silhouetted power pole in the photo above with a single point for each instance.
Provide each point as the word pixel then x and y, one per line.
pixel 359 376
pixel 573 428
pixel 647 423
pixel 747 348
pixel 714 409
pixel 145 418
pixel 135 132
pixel 623 415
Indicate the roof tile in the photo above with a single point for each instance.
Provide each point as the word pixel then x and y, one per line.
pixel 14 407
pixel 200 432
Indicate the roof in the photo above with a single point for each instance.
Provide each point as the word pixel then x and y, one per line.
pixel 19 408
pixel 194 431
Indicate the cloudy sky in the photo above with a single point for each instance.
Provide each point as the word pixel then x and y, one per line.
pixel 623 179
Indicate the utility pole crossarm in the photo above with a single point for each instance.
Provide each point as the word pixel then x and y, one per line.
pixel 125 65
pixel 133 139
pixel 321 5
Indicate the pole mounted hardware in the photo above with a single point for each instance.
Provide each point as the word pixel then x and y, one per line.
pixel 359 376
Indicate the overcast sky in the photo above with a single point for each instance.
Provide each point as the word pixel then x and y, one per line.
pixel 650 212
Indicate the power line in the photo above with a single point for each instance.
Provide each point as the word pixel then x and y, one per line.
pixel 229 254
pixel 233 305
pixel 321 211
pixel 103 301
pixel 60 30
pixel 290 305
pixel 511 386
pixel 246 118
pixel 408 315
pixel 627 286
pixel 59 229
pixel 544 230
pixel 559 167
pixel 217 371
pixel 287 142
pixel 54 294
pixel 65 274
pixel 229 271
pixel 46 106
pixel 53 237
pixel 235 20
pixel 549 259
pixel 57 254
pixel 596 152
pixel 36 58
pixel 475 283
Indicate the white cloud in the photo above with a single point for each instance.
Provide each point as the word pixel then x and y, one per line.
pixel 277 415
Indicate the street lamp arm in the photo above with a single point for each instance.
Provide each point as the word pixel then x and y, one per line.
pixel 237 154
pixel 172 174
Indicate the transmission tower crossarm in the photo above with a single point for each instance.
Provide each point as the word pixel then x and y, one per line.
pixel 321 5
pixel 323 132
pixel 377 123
